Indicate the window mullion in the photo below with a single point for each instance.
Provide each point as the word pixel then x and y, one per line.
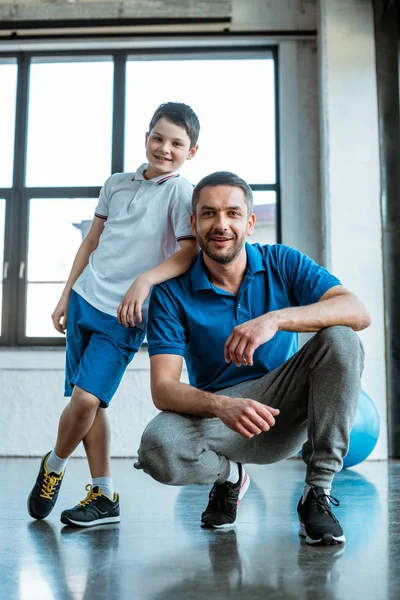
pixel 118 147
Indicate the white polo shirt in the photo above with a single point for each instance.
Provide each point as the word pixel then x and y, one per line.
pixel 144 221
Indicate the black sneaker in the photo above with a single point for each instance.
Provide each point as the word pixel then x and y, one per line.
pixel 224 500
pixel 44 494
pixel 318 524
pixel 95 509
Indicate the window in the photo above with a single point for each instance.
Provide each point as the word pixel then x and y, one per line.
pixel 8 87
pixel 69 122
pixel 81 117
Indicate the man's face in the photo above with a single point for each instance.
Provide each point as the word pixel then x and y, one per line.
pixel 167 147
pixel 222 222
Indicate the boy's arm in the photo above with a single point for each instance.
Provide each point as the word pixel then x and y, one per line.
pixel 131 304
pixel 86 248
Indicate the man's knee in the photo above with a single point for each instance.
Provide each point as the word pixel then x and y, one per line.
pixel 162 450
pixel 345 348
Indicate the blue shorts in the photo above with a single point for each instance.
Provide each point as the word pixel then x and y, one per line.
pixel 98 350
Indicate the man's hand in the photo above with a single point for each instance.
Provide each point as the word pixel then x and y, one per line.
pixel 246 338
pixel 59 316
pixel 245 416
pixel 131 304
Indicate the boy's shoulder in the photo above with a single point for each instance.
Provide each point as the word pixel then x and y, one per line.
pixel 179 184
pixel 121 177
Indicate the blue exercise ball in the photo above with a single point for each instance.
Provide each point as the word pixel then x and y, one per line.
pixel 364 433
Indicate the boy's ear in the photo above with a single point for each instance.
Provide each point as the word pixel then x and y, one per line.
pixel 192 152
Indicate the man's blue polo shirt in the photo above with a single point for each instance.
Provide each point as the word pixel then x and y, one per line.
pixel 190 317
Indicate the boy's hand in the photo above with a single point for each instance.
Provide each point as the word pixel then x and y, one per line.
pixel 131 304
pixel 245 416
pixel 59 316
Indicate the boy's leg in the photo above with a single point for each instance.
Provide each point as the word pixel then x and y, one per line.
pixel 97 445
pixel 76 420
pixel 111 349
pixel 98 351
pixel 44 494
pixel 97 448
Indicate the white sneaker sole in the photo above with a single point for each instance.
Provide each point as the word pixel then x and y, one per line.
pixel 106 521
pixel 327 540
pixel 243 490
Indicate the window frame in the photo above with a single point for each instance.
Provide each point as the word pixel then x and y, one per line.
pixel 18 197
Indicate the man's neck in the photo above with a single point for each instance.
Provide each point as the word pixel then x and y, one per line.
pixel 228 276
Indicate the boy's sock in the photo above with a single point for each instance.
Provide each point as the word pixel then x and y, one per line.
pixel 106 486
pixel 233 476
pixel 307 488
pixel 55 464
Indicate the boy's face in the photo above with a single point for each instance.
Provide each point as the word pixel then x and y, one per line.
pixel 167 148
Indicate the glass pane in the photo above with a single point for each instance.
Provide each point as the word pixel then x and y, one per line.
pixel 42 299
pixel 265 211
pixel 234 100
pixel 69 123
pixel 59 225
pixel 2 220
pixel 8 87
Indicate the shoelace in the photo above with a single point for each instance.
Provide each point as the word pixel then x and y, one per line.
pixel 322 503
pixel 91 495
pixel 222 496
pixel 49 484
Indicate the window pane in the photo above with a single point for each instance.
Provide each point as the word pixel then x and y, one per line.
pixel 265 211
pixel 56 225
pixel 234 100
pixel 56 230
pixel 42 299
pixel 2 220
pixel 69 123
pixel 8 87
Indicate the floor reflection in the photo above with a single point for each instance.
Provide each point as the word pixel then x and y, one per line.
pixel 92 572
pixel 159 551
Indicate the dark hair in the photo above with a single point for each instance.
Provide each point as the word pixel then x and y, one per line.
pixel 180 114
pixel 223 178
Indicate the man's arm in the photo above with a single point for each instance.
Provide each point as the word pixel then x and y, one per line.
pixel 337 306
pixel 131 304
pixel 243 415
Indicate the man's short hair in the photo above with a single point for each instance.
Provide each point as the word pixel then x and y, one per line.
pixel 223 178
pixel 180 114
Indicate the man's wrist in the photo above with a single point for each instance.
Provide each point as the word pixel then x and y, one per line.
pixel 276 317
pixel 217 404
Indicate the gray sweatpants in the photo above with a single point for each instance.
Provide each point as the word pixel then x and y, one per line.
pixel 316 391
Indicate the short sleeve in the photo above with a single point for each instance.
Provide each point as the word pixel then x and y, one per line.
pixel 165 332
pixel 307 281
pixel 103 207
pixel 181 209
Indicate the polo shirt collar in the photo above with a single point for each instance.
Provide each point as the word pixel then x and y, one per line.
pixel 140 177
pixel 198 274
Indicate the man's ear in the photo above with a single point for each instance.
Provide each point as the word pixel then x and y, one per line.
pixel 193 224
pixel 192 152
pixel 252 222
pixel 146 139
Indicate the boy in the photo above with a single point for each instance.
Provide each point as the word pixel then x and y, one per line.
pixel 133 238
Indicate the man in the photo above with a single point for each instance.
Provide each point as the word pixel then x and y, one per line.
pixel 252 397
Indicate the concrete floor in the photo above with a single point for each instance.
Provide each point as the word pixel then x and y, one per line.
pixel 159 551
